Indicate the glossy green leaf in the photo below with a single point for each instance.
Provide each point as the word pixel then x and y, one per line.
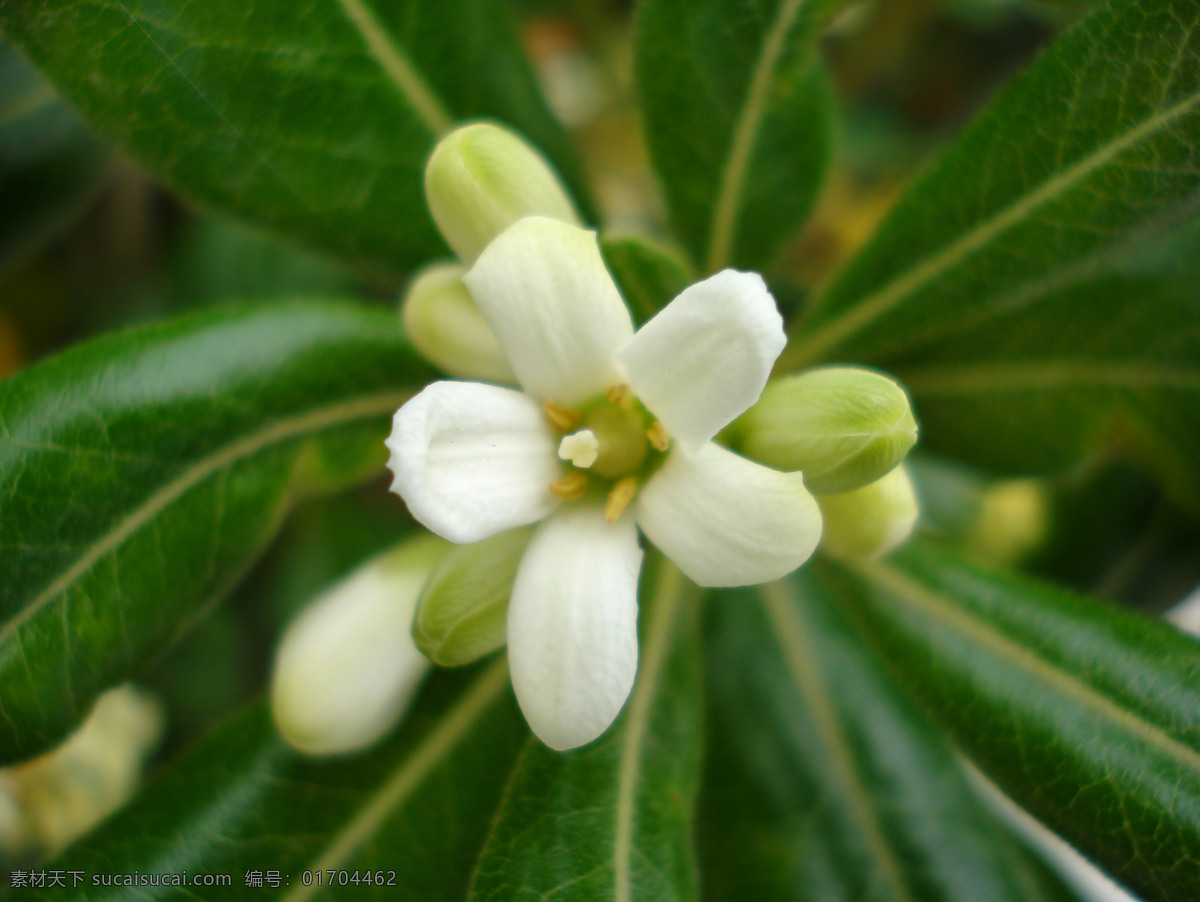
pixel 648 273
pixel 218 259
pixel 50 162
pixel 738 114
pixel 313 119
pixel 822 779
pixel 142 473
pixel 1033 288
pixel 612 820
pixel 1057 381
pixel 1088 716
pixel 416 808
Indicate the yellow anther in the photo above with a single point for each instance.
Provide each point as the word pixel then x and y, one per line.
pixel 659 440
pixel 620 395
pixel 618 499
pixel 564 419
pixel 570 487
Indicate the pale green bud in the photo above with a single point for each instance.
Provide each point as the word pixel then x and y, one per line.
pixel 870 521
pixel 347 666
pixel 997 521
pixel 481 179
pixel 843 427
pixel 461 614
pixel 1012 521
pixel 443 323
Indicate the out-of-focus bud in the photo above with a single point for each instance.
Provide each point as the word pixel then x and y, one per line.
pixel 48 802
pixel 347 666
pixel 444 324
pixel 1013 520
pixel 844 427
pixel 461 614
pixel 995 521
pixel 481 179
pixel 869 521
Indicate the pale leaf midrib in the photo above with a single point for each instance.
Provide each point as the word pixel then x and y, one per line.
pixel 279 431
pixel 985 378
pixel 893 292
pixel 658 634
pixel 407 777
pixel 399 69
pixel 798 656
pixel 745 135
pixel 946 612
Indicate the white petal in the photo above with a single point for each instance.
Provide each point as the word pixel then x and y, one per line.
pixel 472 460
pixel 543 288
pixel 705 357
pixel 572 625
pixel 728 521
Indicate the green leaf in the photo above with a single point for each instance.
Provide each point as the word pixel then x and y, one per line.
pixel 217 260
pixel 50 163
pixel 1028 288
pixel 612 820
pixel 416 808
pixel 1110 357
pixel 649 274
pixel 1086 715
pixel 316 121
pixel 822 779
pixel 142 473
pixel 738 113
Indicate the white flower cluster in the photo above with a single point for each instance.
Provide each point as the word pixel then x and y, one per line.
pixel 610 433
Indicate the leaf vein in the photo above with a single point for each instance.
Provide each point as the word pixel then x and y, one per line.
pixel 894 291
pixel 940 608
pixel 279 431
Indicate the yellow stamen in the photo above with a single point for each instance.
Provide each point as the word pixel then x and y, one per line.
pixel 564 419
pixel 570 487
pixel 618 499
pixel 659 440
pixel 620 395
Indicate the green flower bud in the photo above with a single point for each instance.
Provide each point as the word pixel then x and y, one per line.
pixel 843 427
pixel 461 614
pixel 347 667
pixel 869 521
pixel 444 324
pixel 481 179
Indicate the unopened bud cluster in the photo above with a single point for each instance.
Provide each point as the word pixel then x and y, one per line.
pixel 479 181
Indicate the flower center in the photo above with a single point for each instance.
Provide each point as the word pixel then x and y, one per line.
pixel 611 442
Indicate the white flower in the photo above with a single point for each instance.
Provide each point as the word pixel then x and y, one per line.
pixel 612 432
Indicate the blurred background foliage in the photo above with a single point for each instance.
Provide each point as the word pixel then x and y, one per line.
pixel 89 243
